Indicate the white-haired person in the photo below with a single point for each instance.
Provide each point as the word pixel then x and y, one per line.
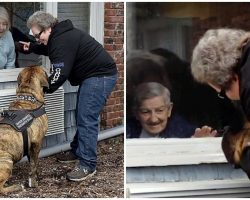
pixel 221 59
pixel 7 46
pixel 152 108
pixel 78 57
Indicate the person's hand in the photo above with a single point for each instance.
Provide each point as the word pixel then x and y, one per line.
pixel 26 45
pixel 204 131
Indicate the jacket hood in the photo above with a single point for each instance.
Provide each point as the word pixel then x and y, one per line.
pixel 61 27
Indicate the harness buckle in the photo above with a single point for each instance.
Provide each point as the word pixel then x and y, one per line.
pixel 3 111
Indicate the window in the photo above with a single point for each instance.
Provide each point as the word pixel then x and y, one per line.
pixel 175 167
pixel 19 13
pixel 171 30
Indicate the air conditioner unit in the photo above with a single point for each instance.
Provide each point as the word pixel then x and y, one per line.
pixel 54 108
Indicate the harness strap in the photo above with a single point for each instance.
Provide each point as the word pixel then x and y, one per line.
pixel 38 112
pixel 24 123
pixel 25 144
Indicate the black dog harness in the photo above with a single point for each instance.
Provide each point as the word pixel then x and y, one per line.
pixel 21 120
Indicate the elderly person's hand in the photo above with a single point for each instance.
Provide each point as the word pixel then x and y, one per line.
pixel 204 131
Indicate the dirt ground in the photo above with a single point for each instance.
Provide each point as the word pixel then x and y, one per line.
pixel 107 183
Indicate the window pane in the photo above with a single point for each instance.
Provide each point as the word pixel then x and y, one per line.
pixel 19 13
pixel 171 30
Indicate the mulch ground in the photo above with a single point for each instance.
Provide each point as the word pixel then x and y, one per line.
pixel 107 183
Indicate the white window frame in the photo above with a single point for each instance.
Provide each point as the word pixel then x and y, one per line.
pixel 158 152
pixel 97 21
pixel 173 151
pixel 96 31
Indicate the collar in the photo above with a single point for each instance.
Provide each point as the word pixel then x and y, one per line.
pixel 27 98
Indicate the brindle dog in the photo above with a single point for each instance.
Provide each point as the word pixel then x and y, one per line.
pixel 31 81
pixel 236 148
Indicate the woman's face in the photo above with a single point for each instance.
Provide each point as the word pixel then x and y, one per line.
pixel 3 27
pixel 153 114
pixel 42 36
pixel 233 92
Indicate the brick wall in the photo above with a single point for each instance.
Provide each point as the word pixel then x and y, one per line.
pixel 113 112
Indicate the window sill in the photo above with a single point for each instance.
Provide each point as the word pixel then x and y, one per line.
pixel 172 151
pixel 9 75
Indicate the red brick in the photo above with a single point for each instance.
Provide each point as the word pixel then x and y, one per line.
pixel 112 114
pixel 110 12
pixel 114 19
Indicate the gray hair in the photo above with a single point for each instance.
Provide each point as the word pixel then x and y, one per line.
pixel 5 16
pixel 149 90
pixel 42 20
pixel 216 55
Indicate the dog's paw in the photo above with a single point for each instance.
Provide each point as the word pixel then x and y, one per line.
pixel 33 183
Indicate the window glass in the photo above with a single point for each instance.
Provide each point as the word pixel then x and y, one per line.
pixel 170 31
pixel 19 12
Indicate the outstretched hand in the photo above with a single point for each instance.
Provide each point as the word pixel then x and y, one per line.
pixel 26 45
pixel 204 131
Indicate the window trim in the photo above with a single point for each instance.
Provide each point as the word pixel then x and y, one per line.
pixel 173 151
pixel 8 75
pixel 97 21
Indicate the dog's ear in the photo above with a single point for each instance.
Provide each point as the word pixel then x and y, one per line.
pixel 19 79
pixel 44 80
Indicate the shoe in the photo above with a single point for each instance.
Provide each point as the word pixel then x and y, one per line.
pixel 67 157
pixel 79 174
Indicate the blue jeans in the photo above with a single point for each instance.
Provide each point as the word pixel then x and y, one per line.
pixel 91 98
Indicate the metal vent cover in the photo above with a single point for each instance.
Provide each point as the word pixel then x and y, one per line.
pixel 54 108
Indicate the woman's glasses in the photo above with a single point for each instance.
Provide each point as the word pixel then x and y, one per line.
pixel 37 36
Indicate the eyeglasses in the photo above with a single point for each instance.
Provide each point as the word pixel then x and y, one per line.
pixel 37 36
pixel 222 94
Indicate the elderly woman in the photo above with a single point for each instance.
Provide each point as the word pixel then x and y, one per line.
pixel 152 108
pixel 7 47
pixel 221 59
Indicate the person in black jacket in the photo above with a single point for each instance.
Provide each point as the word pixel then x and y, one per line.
pixel 78 57
pixel 221 59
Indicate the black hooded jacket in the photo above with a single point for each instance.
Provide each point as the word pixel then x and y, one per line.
pixel 244 78
pixel 74 55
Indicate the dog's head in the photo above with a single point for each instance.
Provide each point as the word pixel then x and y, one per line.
pixel 32 80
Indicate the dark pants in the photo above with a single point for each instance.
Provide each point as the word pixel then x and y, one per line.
pixel 92 96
